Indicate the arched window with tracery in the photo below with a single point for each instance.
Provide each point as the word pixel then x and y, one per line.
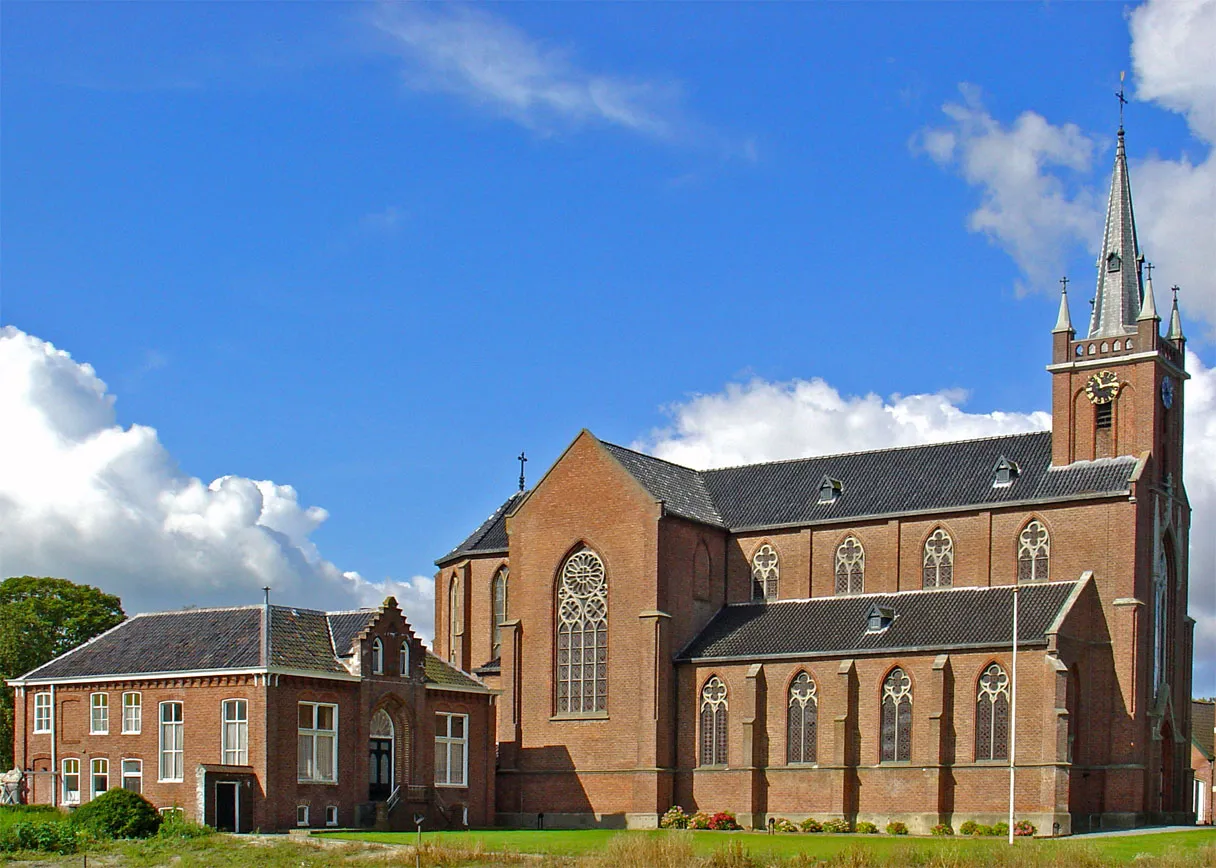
pixel 453 617
pixel 939 560
pixel 1162 582
pixel 713 723
pixel 582 635
pixel 498 595
pixel 802 724
pixel 1034 552
pixel 765 573
pixel 850 566
pixel 896 717
pixel 992 714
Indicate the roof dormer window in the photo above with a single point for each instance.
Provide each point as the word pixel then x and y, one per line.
pixel 1113 262
pixel 829 490
pixel 879 618
pixel 1004 472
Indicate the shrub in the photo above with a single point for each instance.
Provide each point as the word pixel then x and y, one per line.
pixel 699 820
pixel 1001 829
pixel 675 818
pixel 118 814
pixel 969 828
pixel 723 821
pixel 941 830
pixel 896 828
pixel 867 828
pixel 837 826
pixel 45 837
pixel 175 827
pixel 781 824
pixel 810 824
pixel 1023 829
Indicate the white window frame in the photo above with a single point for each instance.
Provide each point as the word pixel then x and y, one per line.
pixel 123 776
pixel 331 815
pixel 405 659
pixel 377 656
pixel 444 740
pixel 71 797
pixel 314 733
pixel 99 714
pixel 42 713
pixel 239 755
pixel 178 750
pixel 132 724
pixel 301 815
pixel 94 763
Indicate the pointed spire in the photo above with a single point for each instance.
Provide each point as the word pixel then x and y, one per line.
pixel 1175 332
pixel 1063 321
pixel 1117 305
pixel 1148 310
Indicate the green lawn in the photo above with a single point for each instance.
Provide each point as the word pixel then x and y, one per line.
pixel 575 843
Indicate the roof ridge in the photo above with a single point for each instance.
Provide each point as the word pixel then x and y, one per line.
pixel 652 457
pixel 79 647
pixel 906 448
pixel 192 609
pixel 297 609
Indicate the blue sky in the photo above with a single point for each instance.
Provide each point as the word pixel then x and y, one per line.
pixel 372 252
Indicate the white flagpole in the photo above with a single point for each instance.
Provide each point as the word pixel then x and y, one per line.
pixel 1013 710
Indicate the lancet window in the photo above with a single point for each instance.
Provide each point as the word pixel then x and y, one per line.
pixel 1034 553
pixel 896 717
pixel 992 715
pixel 850 566
pixel 582 635
pixel 713 723
pixel 802 722
pixel 939 560
pixel 498 594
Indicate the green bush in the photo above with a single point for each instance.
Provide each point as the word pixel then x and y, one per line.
pixel 969 828
pixel 1001 829
pixel 941 830
pixel 867 828
pixel 810 824
pixel 781 824
pixel 118 814
pixel 896 828
pixel 837 826
pixel 45 837
pixel 175 827
pixel 675 818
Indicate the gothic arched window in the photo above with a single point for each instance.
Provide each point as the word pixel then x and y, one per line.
pixel 850 566
pixel 582 635
pixel 702 568
pixel 1034 553
pixel 498 596
pixel 896 717
pixel 404 659
pixel 713 723
pixel 802 723
pixel 453 617
pixel 992 715
pixel 939 560
pixel 765 573
pixel 1162 581
pixel 377 656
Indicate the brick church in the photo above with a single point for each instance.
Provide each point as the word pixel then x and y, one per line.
pixel 832 636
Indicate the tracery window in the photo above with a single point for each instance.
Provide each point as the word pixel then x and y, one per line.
pixel 802 721
pixel 992 715
pixel 498 595
pixel 765 572
pixel 582 635
pixel 939 560
pixel 1034 551
pixel 713 723
pixel 1161 583
pixel 850 566
pixel 896 717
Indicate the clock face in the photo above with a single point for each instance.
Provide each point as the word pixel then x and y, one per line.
pixel 1102 387
pixel 1167 393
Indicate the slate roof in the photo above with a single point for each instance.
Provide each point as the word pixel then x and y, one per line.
pixel 1203 721
pixel 444 674
pixel 834 626
pixel 345 626
pixel 490 537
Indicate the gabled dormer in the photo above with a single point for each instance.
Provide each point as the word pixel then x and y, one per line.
pixel 377 643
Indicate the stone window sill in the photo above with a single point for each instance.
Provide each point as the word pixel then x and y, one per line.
pixel 599 715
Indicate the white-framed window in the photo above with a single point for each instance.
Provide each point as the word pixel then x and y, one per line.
pixel 318 743
pixel 42 712
pixel 99 772
pixel 172 741
pixel 405 659
pixel 133 775
pixel 301 815
pixel 1034 552
pixel 377 656
pixel 766 573
pixel 331 815
pixel 234 734
pixel 173 812
pixel 71 782
pixel 99 714
pixel 451 750
pixel 132 713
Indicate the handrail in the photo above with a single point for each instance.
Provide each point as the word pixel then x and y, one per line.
pixel 393 799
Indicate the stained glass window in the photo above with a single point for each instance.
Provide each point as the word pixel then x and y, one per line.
pixel 992 715
pixel 582 635
pixel 765 573
pixel 499 596
pixel 939 560
pixel 1034 550
pixel 850 566
pixel 713 723
pixel 896 717
pixel 801 727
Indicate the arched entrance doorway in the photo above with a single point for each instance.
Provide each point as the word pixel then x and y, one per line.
pixel 381 744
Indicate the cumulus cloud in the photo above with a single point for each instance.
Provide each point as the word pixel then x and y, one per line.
pixel 489 62
pixel 766 421
pixel 85 499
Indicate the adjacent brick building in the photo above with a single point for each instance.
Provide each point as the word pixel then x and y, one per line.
pixel 1203 760
pixel 832 636
pixel 262 717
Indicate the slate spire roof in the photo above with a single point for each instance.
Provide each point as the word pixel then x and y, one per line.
pixel 1117 298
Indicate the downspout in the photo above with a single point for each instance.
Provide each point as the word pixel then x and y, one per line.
pixel 54 757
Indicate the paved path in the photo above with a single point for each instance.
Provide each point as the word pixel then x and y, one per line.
pixel 1145 830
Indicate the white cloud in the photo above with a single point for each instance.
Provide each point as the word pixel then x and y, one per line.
pixel 85 499
pixel 764 421
pixel 1027 207
pixel 491 63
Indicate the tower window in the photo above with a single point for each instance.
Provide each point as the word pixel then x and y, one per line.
pixel 1104 416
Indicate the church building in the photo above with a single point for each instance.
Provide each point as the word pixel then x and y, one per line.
pixel 832 637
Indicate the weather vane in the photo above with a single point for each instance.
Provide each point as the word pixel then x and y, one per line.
pixel 1122 99
pixel 523 459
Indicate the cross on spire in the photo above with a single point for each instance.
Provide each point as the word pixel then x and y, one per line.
pixel 1064 283
pixel 1149 267
pixel 1122 100
pixel 523 459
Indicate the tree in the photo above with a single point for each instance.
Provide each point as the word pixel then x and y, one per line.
pixel 41 618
